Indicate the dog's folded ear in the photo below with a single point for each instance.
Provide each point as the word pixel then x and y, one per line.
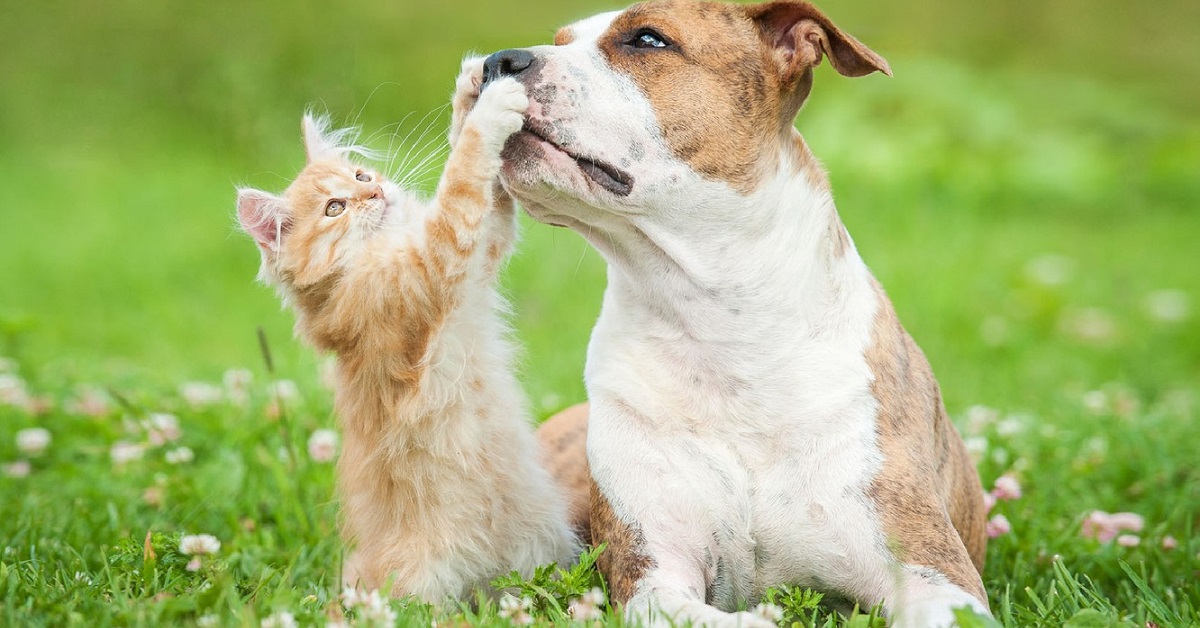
pixel 799 35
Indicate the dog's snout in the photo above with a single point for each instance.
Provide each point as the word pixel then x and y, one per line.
pixel 506 63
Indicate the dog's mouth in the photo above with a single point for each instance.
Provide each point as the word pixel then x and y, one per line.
pixel 602 173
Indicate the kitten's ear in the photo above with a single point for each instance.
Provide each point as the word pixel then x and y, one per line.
pixel 319 143
pixel 262 216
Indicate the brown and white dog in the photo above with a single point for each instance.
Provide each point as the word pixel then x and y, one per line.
pixel 758 415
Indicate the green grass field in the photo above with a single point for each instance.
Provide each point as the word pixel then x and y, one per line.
pixel 1026 188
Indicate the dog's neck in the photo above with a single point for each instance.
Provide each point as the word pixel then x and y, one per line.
pixel 777 258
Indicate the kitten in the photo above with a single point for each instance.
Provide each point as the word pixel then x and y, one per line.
pixel 440 485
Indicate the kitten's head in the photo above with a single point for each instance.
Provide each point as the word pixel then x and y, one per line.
pixel 325 218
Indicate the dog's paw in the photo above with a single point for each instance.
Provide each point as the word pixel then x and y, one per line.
pixel 500 111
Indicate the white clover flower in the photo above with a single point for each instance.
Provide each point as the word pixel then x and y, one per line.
pixel 237 385
pixel 33 441
pixel 286 389
pixel 997 526
pixel 989 502
pixel 1129 540
pixel 207 621
pixel 1013 424
pixel 516 611
pixel 351 597
pixel 18 469
pixel 977 446
pixel 376 609
pixel 1095 401
pixel 1092 325
pixel 180 455
pixel 994 331
pixel 90 401
pixel 1168 306
pixel 322 445
pixel 979 417
pixel 1050 270
pixel 582 611
pixel 12 390
pixel 1104 526
pixel 38 405
pixel 200 394
pixel 237 379
pixel 194 564
pixel 769 612
pixel 153 496
pixel 370 605
pixel 199 544
pixel 123 452
pixel 162 428
pixel 595 597
pixel 282 619
pixel 587 606
pixel 1007 488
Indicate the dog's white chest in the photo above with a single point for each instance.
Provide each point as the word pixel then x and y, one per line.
pixel 809 514
pixel 776 442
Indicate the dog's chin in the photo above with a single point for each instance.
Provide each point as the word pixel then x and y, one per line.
pixel 532 163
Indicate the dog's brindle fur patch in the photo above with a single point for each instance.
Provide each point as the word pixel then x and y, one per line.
pixel 927 489
pixel 624 562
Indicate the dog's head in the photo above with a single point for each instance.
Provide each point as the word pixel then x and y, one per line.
pixel 632 112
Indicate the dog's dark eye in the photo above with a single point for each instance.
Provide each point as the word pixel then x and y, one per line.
pixel 362 176
pixel 648 38
pixel 335 208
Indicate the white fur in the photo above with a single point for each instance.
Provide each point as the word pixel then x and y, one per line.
pixel 732 418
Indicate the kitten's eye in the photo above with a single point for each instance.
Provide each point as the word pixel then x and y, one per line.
pixel 363 176
pixel 648 38
pixel 335 208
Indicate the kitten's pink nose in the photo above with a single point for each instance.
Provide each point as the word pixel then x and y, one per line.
pixel 377 192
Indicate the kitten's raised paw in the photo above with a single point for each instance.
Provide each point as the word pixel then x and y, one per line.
pixel 466 93
pixel 500 111
pixel 470 77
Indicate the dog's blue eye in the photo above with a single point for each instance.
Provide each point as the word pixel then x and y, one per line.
pixel 647 38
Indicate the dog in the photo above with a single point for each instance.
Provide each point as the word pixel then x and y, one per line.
pixel 758 415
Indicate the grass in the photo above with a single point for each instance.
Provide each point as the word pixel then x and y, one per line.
pixel 1030 209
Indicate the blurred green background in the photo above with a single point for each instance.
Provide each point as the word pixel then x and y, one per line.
pixel 1025 187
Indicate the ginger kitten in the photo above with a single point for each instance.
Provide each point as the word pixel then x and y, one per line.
pixel 440 485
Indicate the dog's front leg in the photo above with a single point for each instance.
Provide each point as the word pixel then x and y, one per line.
pixel 660 509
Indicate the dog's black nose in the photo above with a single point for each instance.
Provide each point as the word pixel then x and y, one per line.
pixel 506 63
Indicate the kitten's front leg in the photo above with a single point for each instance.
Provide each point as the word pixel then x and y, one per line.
pixel 500 228
pixel 466 93
pixel 466 193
